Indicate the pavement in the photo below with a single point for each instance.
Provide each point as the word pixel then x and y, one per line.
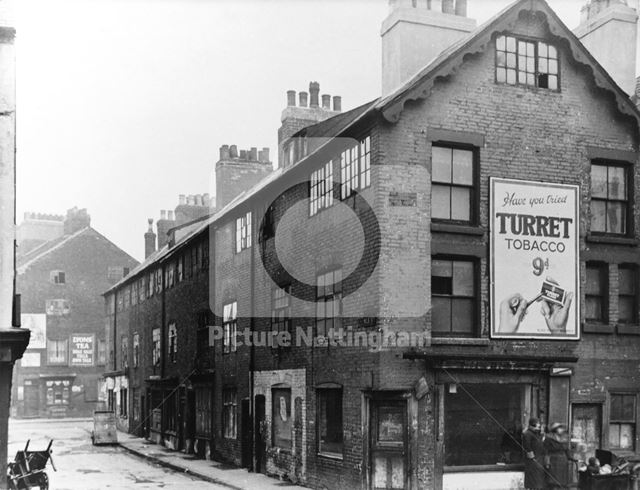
pixel 212 471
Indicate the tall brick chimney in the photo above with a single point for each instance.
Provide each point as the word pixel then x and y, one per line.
pixel 415 32
pixel 294 118
pixel 608 29
pixel 76 220
pixel 149 240
pixel 236 173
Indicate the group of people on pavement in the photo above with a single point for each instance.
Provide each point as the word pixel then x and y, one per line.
pixel 547 457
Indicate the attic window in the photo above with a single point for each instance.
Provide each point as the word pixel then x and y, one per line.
pixel 526 62
pixel 57 277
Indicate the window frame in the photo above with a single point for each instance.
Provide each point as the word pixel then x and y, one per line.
pixel 243 234
pixel 633 268
pixel 321 188
pixel 230 413
pixel 65 349
pixel 477 320
pixel 290 414
pixel 56 275
pixel 124 351
pixel 136 349
pixel 172 342
pixel 536 57
pixel 335 293
pixel 156 352
pixel 276 321
pixel 474 199
pixel 633 422
pixel 230 327
pixel 355 168
pixel 603 268
pixel 628 203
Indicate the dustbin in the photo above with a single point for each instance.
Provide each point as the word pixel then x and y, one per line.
pixel 104 428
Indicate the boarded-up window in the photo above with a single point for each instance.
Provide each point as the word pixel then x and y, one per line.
pixel 203 412
pixel 622 421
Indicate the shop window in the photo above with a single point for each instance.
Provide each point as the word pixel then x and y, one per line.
pixel 102 352
pixel 243 232
pixel 596 292
pixel 622 421
pixel 229 412
pixel 230 327
pixel 280 310
pixel 321 189
pixel 123 402
pixel 330 421
pixel 526 62
pixel 57 352
pixel 627 293
pixel 57 307
pixel 124 352
pixel 155 354
pixel 483 423
pixel 58 392
pixel 452 184
pixel 281 422
pixel 329 302
pixel 173 342
pixel 203 412
pixel 136 349
pixel 57 277
pixel 609 198
pixel 453 297
pixel 355 168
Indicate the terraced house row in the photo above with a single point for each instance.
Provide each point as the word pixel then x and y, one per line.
pixel 420 274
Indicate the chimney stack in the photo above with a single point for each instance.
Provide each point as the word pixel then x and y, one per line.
pixel 149 240
pixel 314 92
pixel 603 21
pixel 337 103
pixel 414 33
pixel 291 98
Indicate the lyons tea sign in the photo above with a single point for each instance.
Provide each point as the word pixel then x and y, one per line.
pixel 535 269
pixel 82 349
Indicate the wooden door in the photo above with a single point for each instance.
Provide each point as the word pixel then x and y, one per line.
pixel 389 444
pixel 586 425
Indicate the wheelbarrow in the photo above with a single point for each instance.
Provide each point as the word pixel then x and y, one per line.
pixel 28 469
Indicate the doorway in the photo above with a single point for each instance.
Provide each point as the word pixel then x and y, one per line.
pixel 586 425
pixel 245 417
pixel 31 398
pixel 260 433
pixel 389 444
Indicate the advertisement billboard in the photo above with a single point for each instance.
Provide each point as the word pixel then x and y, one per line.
pixel 82 349
pixel 535 267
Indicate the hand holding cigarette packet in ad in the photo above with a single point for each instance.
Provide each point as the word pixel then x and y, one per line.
pixel 556 303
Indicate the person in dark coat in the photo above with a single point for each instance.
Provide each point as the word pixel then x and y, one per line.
pixel 557 457
pixel 534 472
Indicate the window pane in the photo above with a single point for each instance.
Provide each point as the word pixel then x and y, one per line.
pixel 599 181
pixel 542 50
pixel 522 77
pixel 628 407
pixel 616 217
pixel 594 280
pixel 552 52
pixel 440 164
pixel 442 268
pixel 501 75
pixel 501 43
pixel 626 308
pixel 593 308
pixel 614 435
pixel 542 66
pixel 553 67
pixel 462 315
pixel 627 435
pixel 531 67
pixel 511 44
pixel 511 60
pixel 617 183
pixel 598 216
pixel 440 314
pixel 553 82
pixel 501 58
pixel 627 280
pixel 463 284
pixel 511 76
pixel 440 202
pixel 463 167
pixel 461 203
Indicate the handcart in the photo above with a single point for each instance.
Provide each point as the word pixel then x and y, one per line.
pixel 622 477
pixel 28 469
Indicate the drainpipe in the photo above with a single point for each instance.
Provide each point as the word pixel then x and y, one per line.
pixel 252 348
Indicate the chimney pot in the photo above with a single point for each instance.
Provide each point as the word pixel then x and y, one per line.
pixel 461 8
pixel 170 215
pixel 150 221
pixel 314 91
pixel 224 152
pixel 149 240
pixel 182 199
pixel 243 154
pixel 447 7
pixel 265 152
pixel 254 154
pixel 303 98
pixel 206 201
pixel 337 103
pixel 233 151
pixel 199 199
pixel 163 214
pixel 326 102
pixel 291 98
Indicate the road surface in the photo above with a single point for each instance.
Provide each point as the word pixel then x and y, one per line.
pixel 84 466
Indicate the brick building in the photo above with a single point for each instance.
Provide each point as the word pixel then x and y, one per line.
pixel 60 279
pixel 380 220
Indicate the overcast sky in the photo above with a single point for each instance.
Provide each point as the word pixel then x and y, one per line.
pixel 123 104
